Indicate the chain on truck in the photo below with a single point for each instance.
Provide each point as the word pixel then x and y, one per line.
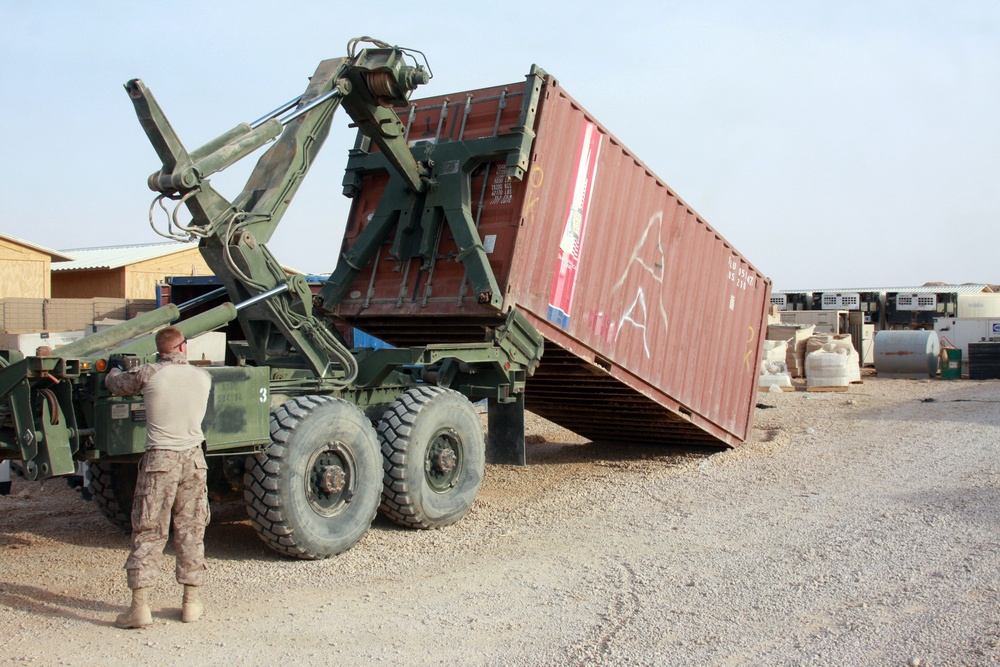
pixel 316 436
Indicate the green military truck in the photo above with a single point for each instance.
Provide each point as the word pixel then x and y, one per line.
pixel 485 227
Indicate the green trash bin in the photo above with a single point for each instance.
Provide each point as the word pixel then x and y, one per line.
pixel 951 363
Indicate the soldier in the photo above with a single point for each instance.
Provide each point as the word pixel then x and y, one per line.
pixel 172 475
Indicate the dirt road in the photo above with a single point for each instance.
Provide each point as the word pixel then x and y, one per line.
pixel 857 528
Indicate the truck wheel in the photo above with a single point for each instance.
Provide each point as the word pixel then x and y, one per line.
pixel 433 455
pixel 314 491
pixel 112 487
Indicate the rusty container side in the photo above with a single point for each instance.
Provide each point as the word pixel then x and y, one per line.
pixel 386 294
pixel 654 323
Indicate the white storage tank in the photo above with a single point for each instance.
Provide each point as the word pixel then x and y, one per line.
pixel 907 354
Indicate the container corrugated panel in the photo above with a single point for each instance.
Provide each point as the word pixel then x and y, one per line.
pixel 654 323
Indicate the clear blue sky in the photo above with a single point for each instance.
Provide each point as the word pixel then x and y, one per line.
pixel 835 144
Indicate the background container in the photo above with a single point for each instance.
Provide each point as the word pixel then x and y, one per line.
pixel 907 354
pixel 653 322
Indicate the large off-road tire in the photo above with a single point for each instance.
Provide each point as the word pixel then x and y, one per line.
pixel 112 487
pixel 433 457
pixel 314 491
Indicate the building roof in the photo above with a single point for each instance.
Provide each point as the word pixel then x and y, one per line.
pixel 114 257
pixel 968 288
pixel 54 254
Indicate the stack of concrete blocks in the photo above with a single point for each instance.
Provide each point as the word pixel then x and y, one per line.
pixel 795 335
pixel 774 375
pixel 831 362
pixel 840 344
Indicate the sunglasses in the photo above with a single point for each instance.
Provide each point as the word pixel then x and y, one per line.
pixel 175 347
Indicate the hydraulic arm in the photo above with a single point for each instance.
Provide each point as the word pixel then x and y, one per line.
pixel 281 332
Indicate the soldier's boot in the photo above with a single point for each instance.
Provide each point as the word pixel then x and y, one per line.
pixel 192 607
pixel 138 615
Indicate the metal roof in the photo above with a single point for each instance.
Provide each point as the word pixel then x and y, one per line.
pixel 968 288
pixel 114 257
pixel 55 254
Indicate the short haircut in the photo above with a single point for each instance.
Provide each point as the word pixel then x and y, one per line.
pixel 167 339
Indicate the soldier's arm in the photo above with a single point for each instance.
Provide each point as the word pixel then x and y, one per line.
pixel 128 383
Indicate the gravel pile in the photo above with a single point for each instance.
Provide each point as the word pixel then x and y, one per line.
pixel 855 528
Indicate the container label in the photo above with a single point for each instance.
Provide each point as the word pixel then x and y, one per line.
pixel 568 258
pixel 740 275
pixel 489 243
pixel 501 189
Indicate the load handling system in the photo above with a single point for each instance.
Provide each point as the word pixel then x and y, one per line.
pixel 314 435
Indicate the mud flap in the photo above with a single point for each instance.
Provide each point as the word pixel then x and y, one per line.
pixel 505 433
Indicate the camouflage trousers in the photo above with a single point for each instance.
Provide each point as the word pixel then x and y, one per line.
pixel 171 487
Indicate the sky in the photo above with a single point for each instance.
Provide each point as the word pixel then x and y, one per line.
pixel 834 144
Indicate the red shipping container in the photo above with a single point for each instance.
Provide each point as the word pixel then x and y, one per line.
pixel 654 323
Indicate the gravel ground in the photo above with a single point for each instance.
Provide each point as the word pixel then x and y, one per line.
pixel 855 528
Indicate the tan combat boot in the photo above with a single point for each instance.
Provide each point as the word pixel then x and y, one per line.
pixel 192 607
pixel 138 615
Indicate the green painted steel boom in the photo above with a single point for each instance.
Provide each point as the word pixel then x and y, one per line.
pixel 282 332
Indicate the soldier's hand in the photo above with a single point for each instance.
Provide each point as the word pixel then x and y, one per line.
pixel 116 362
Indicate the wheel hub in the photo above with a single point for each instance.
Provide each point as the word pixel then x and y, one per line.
pixel 443 464
pixel 444 461
pixel 331 479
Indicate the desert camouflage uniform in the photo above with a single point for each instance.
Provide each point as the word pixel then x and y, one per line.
pixel 132 382
pixel 171 486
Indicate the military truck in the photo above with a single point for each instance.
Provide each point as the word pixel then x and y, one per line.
pixel 484 226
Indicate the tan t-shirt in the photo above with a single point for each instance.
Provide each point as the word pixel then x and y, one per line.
pixel 176 399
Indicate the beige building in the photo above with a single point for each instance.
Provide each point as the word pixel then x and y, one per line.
pixel 125 272
pixel 25 268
